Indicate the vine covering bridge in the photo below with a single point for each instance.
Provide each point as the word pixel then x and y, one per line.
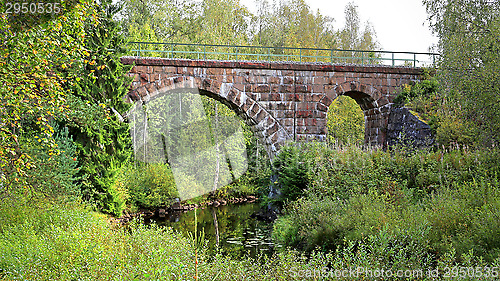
pixel 282 93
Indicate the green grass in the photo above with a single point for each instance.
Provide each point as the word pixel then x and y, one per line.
pixel 431 206
pixel 393 210
pixel 42 240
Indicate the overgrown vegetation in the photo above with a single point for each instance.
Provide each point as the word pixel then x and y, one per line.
pixel 439 201
pixel 345 122
pixel 65 154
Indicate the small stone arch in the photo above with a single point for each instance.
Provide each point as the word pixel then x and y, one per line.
pixel 373 103
pixel 264 125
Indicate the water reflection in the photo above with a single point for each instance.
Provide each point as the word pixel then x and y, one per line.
pixel 228 226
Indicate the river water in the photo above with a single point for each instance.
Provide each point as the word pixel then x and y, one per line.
pixel 238 234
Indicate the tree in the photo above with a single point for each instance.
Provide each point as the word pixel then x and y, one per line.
pixel 345 122
pixel 37 65
pixel 352 38
pixel 169 21
pixel 469 69
pixel 97 104
pixel 292 24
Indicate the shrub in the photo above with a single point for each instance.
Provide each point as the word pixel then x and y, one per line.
pixel 292 164
pixel 147 185
pixel 352 194
pixel 55 171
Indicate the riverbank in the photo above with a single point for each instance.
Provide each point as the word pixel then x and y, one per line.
pixel 44 240
pixel 182 207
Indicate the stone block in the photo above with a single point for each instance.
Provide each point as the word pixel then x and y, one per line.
pixel 275 97
pixel 283 105
pixel 304 113
pixel 260 116
pixel 261 88
pixel 382 101
pixel 141 69
pixel 237 98
pixel 142 92
pixel 157 69
pixel 273 129
pixel 275 88
pixel 286 89
pixel 248 88
pixel 303 89
pixel 318 88
pixel 273 80
pixel 247 105
pixel 321 107
pixel 326 100
pixel 288 80
pixel 319 114
pixel 288 113
pixel 320 80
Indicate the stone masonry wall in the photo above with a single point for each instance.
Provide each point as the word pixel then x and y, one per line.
pixel 281 101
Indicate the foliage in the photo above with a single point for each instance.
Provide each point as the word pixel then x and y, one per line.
pixel 292 24
pixel 468 71
pixel 54 175
pixel 67 241
pixel 97 98
pixel 353 194
pixel 277 24
pixel 352 38
pixel 147 185
pixel 427 101
pixel 159 21
pixel 36 67
pixel 345 122
pixel 291 167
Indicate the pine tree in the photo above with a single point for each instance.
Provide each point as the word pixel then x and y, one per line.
pixel 102 137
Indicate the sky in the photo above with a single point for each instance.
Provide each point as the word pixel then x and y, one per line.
pixel 400 25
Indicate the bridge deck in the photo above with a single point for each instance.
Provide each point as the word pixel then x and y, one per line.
pixel 275 65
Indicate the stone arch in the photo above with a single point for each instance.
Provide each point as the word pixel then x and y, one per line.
pixel 373 103
pixel 264 125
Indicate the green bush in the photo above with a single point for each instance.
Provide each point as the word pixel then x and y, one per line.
pixel 147 185
pixel 352 194
pixel 345 122
pixel 55 171
pixel 292 164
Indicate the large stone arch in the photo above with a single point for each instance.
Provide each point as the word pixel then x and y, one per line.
pixel 373 103
pixel 264 125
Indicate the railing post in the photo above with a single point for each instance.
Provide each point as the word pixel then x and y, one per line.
pixel 138 49
pixel 172 50
pixel 205 52
pixel 362 57
pixel 268 54
pixel 300 55
pixel 392 59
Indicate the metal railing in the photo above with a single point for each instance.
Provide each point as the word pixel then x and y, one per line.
pixel 289 54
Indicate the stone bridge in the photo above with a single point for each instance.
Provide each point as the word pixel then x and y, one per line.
pixel 280 100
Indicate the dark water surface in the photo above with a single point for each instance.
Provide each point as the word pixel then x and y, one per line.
pixel 238 233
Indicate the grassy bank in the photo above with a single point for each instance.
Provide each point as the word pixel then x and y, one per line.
pixel 348 209
pixel 399 209
pixel 43 240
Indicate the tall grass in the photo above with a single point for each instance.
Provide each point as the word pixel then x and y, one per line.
pixel 49 241
pixel 432 204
